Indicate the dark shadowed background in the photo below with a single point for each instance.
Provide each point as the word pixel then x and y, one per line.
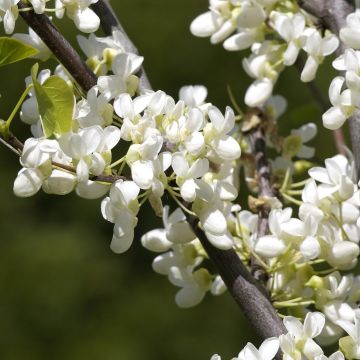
pixel 63 293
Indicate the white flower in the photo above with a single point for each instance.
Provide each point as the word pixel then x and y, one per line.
pixel 186 174
pixel 336 179
pixel 225 146
pixel 193 95
pixel 121 208
pixel 134 125
pixel 36 159
pixel 212 23
pixel 194 285
pixel 294 144
pixel 303 335
pixel 123 66
pixel 84 18
pixel 28 182
pixel 86 147
pixel 38 6
pixel 267 350
pixel 243 39
pixel 291 30
pixel 350 34
pixel 317 48
pixel 342 103
pixel 338 355
pixel 350 345
pixel 8 14
pixel 273 245
pixel 95 110
pixel 59 183
pixel 177 231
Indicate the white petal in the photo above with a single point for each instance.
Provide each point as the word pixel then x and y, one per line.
pixel 313 324
pixel 179 164
pixel 189 296
pixel 259 92
pixel 223 242
pixel 216 118
pixel 269 246
pixel 239 41
pixel 86 20
pixel 309 71
pixel 188 190
pixel 28 182
pixel 226 147
pixel 142 173
pixel 269 348
pixel 204 25
pixel 293 326
pixel 213 221
pixel 91 189
pixel 59 183
pixel 334 118
pixel 310 248
pixel 156 240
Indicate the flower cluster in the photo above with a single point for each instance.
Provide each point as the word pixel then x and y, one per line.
pixel 344 90
pixel 128 145
pixel 79 11
pixel 275 31
pixel 298 343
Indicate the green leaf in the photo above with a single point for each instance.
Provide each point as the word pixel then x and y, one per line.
pixel 56 104
pixel 13 50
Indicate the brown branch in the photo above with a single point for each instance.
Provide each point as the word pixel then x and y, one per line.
pixel 332 14
pixel 248 294
pixel 246 291
pixel 263 174
pixel 109 22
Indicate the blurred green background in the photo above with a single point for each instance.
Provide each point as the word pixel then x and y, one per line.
pixel 63 293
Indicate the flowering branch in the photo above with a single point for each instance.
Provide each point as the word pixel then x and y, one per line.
pixel 248 294
pixel 332 15
pixel 109 22
pixel 245 290
pixel 60 47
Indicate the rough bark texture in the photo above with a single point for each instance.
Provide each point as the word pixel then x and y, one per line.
pixel 245 290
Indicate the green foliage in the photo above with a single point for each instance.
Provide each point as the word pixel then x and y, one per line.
pixel 13 50
pixel 56 104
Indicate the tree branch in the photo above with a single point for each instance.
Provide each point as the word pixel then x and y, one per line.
pixel 60 47
pixel 257 137
pixel 246 291
pixel 110 22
